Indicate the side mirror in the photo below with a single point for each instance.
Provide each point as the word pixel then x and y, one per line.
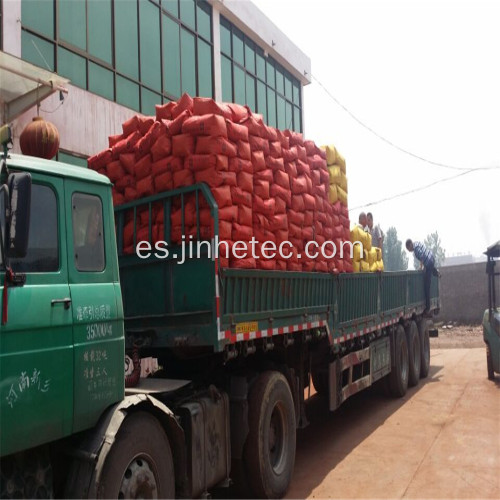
pixel 20 205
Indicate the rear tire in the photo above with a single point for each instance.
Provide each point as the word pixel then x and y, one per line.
pixel 414 353
pixel 139 464
pixel 270 447
pixel 320 381
pixel 489 363
pixel 398 378
pixel 425 348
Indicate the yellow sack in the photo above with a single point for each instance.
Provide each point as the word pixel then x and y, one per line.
pixel 341 162
pixel 342 196
pixel 333 194
pixel 368 241
pixel 356 266
pixel 379 253
pixel 343 181
pixel 365 267
pixel 356 252
pixel 374 267
pixel 380 265
pixel 331 154
pixel 372 256
pixel 335 175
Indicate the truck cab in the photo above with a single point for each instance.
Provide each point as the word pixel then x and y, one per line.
pixel 491 318
pixel 62 354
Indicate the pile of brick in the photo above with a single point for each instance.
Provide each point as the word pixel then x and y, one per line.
pixel 268 184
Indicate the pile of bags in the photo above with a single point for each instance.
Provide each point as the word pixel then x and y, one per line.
pixel 267 183
pixel 370 260
pixel 337 170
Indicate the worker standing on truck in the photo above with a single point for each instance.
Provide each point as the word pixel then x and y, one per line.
pixel 375 231
pixel 363 222
pixel 426 258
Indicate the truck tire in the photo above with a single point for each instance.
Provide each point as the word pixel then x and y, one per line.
pixel 489 363
pixel 398 378
pixel 139 463
pixel 270 448
pixel 425 348
pixel 414 353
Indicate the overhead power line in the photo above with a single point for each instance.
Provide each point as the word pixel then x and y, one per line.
pixel 415 190
pixel 392 144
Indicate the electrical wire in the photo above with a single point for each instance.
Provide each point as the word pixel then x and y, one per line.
pixel 420 188
pixel 392 144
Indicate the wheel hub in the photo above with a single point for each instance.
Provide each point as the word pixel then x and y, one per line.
pixel 139 480
pixel 277 442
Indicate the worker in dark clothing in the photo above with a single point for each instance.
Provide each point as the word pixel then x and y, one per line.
pixel 426 258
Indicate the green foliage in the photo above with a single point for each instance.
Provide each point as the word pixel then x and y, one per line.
pixel 395 258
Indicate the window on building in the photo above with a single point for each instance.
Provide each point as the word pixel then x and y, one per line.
pixel 135 52
pixel 248 77
pixel 43 242
pixel 88 232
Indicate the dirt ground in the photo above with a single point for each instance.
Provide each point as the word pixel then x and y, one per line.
pixel 452 335
pixel 442 440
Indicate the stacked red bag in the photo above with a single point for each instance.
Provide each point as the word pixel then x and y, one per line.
pixel 268 184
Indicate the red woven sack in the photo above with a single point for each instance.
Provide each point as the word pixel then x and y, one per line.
pixel 183 145
pixel 298 202
pixel 241 232
pixel 258 161
pixel 130 194
pixel 303 168
pixel 130 126
pixel 182 178
pixel 143 167
pixel 245 181
pixel 145 123
pixel 281 179
pixel 325 176
pixel 271 134
pixel 290 154
pixel 115 171
pixel 244 215
pixel 185 103
pixel 175 126
pixel 207 106
pixel 308 217
pixel 213 125
pixel 145 187
pixel 161 166
pixel 281 205
pixel 285 141
pixel 163 182
pixel 294 231
pixel 320 191
pixel 128 162
pixel 164 111
pixel 255 125
pixel 275 163
pixel 236 132
pixel 113 139
pixel 258 144
pixel 244 150
pixel 118 199
pixel 282 193
pixel 295 138
pixel 279 221
pixel 161 148
pixel 100 160
pixel 299 185
pixel 309 201
pixel 260 222
pixel 275 149
pixel 229 213
pixel 124 182
pixel 240 165
pixel 302 153
pixel 265 207
pixel 291 169
pixel 266 264
pixel 203 162
pixel 265 175
pixel 261 188
pixel 239 112
pixel 125 145
pixel 310 148
pixel 247 263
pixel 296 217
pixel 215 145
pixel 241 197
pixel 222 196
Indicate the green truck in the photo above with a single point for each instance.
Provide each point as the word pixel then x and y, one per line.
pixel 237 348
pixel 491 318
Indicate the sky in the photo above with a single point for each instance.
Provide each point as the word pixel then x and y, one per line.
pixel 425 76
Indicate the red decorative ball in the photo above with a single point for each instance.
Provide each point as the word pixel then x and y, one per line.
pixel 40 138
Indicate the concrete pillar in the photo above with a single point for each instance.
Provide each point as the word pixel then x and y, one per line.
pixel 11 27
pixel 217 70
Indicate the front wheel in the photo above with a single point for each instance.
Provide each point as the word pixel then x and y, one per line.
pixel 139 464
pixel 270 448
